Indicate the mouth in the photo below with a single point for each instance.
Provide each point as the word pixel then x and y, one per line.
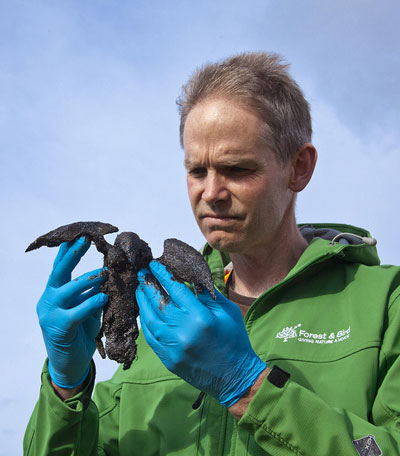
pixel 220 217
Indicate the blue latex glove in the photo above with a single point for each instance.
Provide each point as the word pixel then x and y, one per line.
pixel 202 340
pixel 69 314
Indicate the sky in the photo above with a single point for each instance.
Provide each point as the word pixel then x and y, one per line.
pixel 89 131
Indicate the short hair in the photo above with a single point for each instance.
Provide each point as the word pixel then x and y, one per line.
pixel 261 82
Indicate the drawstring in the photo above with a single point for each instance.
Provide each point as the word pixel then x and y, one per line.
pixel 366 240
pixel 198 401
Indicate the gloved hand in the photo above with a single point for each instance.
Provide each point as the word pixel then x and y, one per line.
pixel 69 314
pixel 202 340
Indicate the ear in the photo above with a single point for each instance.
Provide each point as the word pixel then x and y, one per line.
pixel 302 164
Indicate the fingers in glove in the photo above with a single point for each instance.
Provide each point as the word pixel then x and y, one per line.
pixel 155 293
pixel 92 325
pixel 86 309
pixel 88 294
pixel 206 298
pixel 150 338
pixel 150 313
pixel 61 253
pixel 66 263
pixel 221 307
pixel 166 338
pixel 180 294
pixel 79 285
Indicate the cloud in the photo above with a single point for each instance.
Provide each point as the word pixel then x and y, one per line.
pixel 348 53
pixel 88 91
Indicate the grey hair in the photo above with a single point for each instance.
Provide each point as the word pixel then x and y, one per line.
pixel 261 82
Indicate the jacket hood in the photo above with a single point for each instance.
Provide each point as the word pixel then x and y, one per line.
pixel 337 233
pixel 351 243
pixel 326 240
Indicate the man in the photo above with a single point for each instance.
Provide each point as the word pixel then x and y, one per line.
pixel 312 369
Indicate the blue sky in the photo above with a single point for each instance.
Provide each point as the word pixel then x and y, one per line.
pixel 88 91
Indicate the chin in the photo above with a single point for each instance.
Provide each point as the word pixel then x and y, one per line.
pixel 226 244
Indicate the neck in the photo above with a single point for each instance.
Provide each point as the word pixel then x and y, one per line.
pixel 257 271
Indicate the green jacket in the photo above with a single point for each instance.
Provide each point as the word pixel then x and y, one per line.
pixel 333 323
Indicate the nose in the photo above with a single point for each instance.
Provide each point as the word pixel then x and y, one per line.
pixel 215 189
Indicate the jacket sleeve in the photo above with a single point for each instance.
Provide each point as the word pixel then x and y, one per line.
pixel 63 428
pixel 294 421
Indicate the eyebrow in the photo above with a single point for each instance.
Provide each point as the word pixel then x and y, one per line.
pixel 226 162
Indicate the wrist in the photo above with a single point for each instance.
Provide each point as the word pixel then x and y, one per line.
pixel 64 381
pixel 247 376
pixel 69 392
pixel 66 393
pixel 238 409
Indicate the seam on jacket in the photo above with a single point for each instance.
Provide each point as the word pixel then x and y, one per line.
pixel 222 433
pixel 112 406
pixel 75 411
pixel 391 414
pixel 275 435
pixel 30 442
pixel 152 380
pixel 385 407
pixel 358 348
pixel 100 451
pixel 108 410
pixel 394 300
pixel 201 425
pixel 78 442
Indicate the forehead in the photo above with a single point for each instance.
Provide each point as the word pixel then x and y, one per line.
pixel 221 129
pixel 220 119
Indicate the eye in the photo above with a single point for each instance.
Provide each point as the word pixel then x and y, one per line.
pixel 197 172
pixel 237 170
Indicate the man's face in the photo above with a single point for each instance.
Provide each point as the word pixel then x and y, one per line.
pixel 238 191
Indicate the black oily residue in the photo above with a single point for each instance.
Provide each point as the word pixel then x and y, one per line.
pixel 187 265
pixel 92 277
pixel 164 298
pixel 123 260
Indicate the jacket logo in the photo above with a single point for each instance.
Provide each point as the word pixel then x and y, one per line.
pixel 367 446
pixel 311 337
pixel 288 333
